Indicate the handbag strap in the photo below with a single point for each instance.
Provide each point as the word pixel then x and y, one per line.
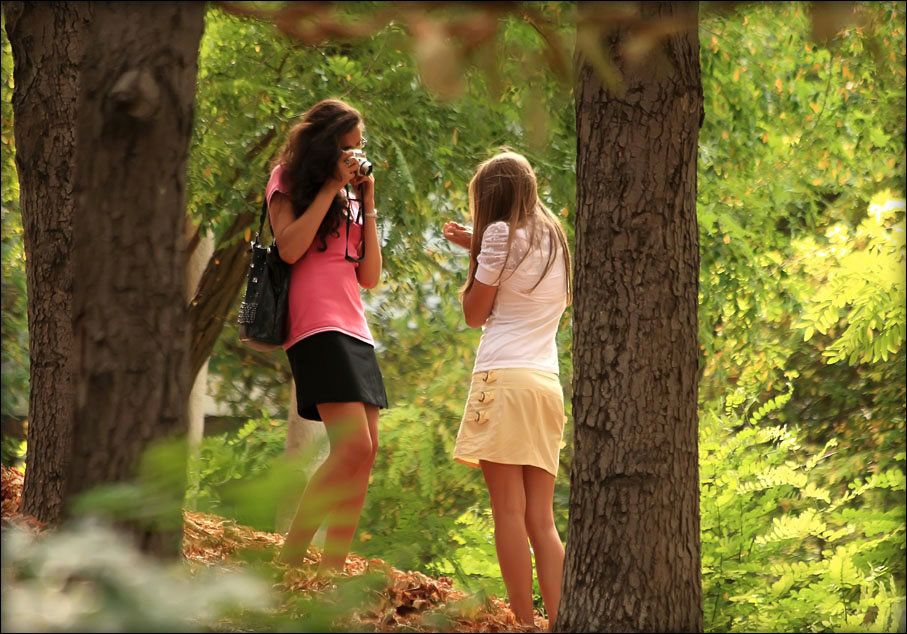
pixel 261 220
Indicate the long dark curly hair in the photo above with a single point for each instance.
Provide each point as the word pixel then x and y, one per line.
pixel 309 158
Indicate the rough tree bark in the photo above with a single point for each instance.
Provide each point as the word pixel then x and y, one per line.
pixel 48 41
pixel 130 336
pixel 48 46
pixel 633 545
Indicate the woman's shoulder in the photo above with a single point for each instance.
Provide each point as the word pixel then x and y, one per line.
pixel 496 230
pixel 277 174
pixel 277 182
pixel 494 237
pixel 280 177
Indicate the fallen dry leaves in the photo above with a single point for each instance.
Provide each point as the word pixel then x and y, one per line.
pixel 410 601
pixel 11 492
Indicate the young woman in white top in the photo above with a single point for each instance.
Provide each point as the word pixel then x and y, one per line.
pixel 517 289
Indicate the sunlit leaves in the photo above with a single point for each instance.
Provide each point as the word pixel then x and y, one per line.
pixel 781 551
pixel 796 141
pixel 858 296
pixel 786 131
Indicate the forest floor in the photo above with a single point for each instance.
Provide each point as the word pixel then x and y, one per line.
pixel 409 602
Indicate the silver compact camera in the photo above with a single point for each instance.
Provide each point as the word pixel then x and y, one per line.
pixel 365 167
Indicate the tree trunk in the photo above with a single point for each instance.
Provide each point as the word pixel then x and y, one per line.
pixel 130 332
pixel 201 248
pixel 48 44
pixel 218 286
pixel 633 544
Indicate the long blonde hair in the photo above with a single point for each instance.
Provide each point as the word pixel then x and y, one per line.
pixel 504 189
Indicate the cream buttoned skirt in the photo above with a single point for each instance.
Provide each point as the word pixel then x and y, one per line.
pixel 512 416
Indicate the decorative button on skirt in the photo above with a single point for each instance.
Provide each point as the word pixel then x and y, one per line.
pixel 512 416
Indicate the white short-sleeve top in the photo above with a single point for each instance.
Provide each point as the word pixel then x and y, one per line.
pixel 520 331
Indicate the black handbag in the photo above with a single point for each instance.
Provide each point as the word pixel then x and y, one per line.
pixel 263 312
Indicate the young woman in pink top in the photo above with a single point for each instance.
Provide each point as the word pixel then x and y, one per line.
pixel 322 209
pixel 517 289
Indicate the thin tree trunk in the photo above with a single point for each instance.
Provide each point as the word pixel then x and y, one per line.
pixel 226 270
pixel 633 545
pixel 130 329
pixel 199 257
pixel 218 287
pixel 48 44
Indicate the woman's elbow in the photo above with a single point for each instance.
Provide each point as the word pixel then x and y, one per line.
pixel 289 253
pixel 369 282
pixel 290 258
pixel 474 321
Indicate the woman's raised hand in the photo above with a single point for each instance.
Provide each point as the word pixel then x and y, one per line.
pixel 458 234
pixel 346 169
pixel 365 185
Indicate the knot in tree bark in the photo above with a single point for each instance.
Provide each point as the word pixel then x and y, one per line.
pixel 137 94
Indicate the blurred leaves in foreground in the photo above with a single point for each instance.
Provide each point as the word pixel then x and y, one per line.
pixel 86 577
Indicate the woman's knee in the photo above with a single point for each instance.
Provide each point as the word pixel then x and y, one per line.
pixel 508 509
pixel 364 453
pixel 373 453
pixel 348 432
pixel 371 415
pixel 539 521
pixel 356 450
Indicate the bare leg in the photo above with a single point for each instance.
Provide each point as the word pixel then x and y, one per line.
pixel 351 447
pixel 343 519
pixel 508 505
pixel 546 543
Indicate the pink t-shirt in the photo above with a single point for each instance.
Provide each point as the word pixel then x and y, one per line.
pixel 324 290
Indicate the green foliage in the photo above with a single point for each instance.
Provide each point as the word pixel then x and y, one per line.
pixel 152 499
pixel 801 318
pixel 417 491
pixel 242 475
pixel 13 316
pixel 88 578
pixel 12 452
pixel 85 577
pixel 797 138
pixel 860 287
pixel 424 151
pixel 780 550
pixel 802 299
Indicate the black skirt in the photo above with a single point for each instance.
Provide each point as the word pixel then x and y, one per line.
pixel 331 367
